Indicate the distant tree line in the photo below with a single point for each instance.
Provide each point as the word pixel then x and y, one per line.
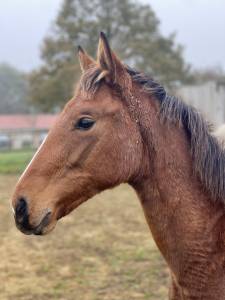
pixel 13 91
pixel 133 30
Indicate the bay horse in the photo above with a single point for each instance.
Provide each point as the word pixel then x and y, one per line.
pixel 122 127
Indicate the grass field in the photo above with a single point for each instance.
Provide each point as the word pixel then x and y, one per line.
pixel 13 162
pixel 102 251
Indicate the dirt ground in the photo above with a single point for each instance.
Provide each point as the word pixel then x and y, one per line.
pixel 102 251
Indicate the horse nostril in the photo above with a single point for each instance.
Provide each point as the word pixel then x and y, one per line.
pixel 21 210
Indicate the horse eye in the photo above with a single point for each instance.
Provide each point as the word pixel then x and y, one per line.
pixel 84 123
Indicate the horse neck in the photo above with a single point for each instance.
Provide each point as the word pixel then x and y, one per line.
pixel 186 225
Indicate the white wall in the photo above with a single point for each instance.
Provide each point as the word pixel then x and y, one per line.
pixel 209 98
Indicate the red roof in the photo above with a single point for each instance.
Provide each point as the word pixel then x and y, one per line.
pixel 42 121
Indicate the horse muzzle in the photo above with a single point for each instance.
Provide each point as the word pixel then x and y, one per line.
pixel 22 219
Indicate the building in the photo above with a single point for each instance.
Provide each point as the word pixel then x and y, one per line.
pixel 24 131
pixel 28 131
pixel 208 98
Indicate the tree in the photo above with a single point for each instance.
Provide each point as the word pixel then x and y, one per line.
pixel 133 30
pixel 13 91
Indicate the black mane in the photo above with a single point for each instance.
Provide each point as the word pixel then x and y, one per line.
pixel 207 154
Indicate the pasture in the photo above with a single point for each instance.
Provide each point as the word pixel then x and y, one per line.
pixel 13 162
pixel 102 251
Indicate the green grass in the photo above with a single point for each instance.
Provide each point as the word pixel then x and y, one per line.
pixel 14 162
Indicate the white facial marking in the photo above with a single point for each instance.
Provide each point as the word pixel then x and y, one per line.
pixel 38 150
pixel 13 210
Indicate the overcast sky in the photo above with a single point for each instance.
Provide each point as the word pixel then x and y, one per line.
pixel 200 27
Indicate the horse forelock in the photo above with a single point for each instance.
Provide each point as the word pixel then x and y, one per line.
pixel 89 80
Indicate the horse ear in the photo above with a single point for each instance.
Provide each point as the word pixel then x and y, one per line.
pixel 85 60
pixel 108 61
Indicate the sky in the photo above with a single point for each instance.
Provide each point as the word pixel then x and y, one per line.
pixel 199 24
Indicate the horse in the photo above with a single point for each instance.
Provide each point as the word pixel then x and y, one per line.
pixel 121 126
